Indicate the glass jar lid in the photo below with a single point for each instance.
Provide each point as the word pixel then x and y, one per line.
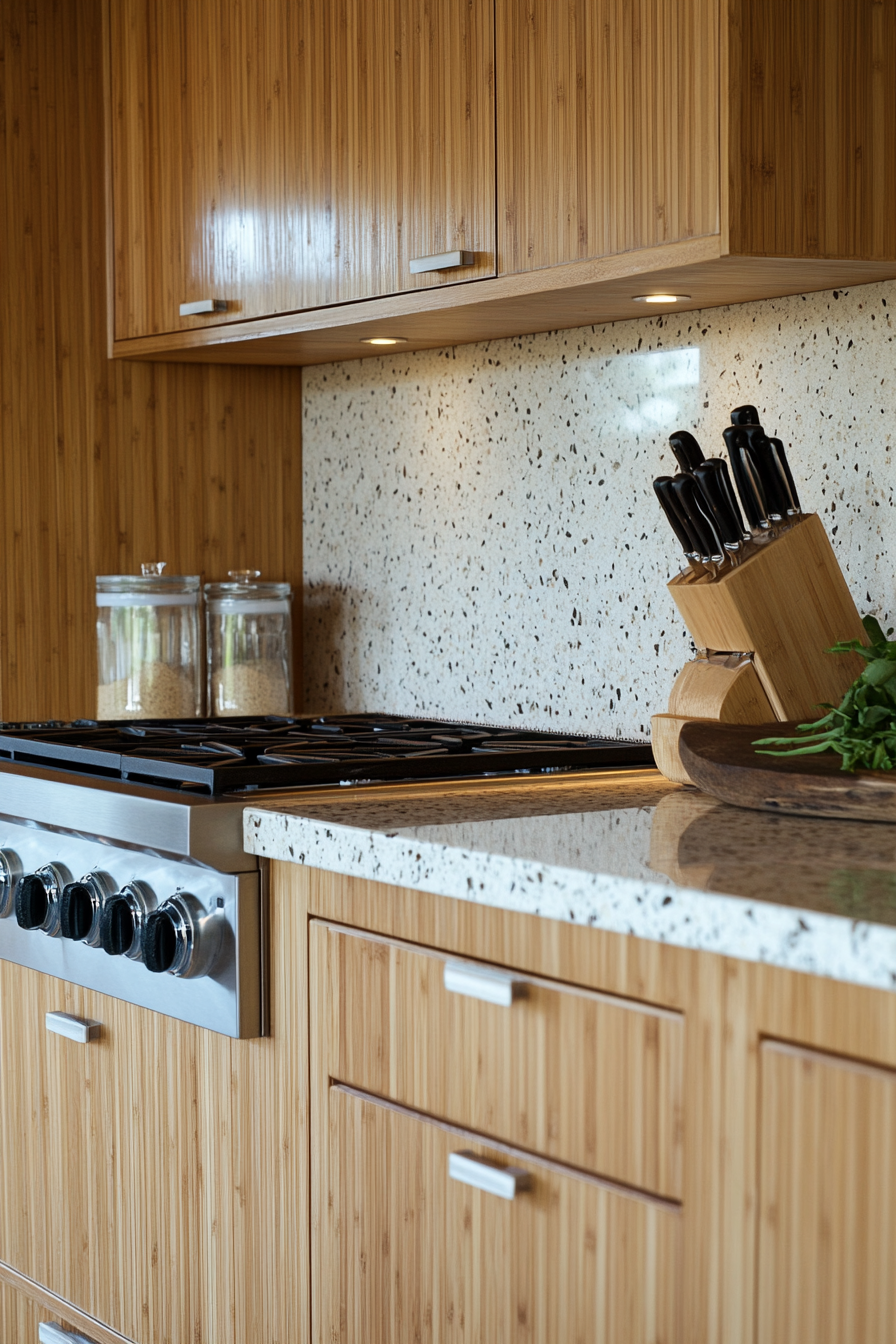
pixel 244 593
pixel 150 588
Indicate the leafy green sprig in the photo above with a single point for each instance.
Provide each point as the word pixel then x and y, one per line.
pixel 862 728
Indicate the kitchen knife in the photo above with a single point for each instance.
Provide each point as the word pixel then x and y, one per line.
pixel 783 465
pixel 712 478
pixel 745 415
pixel 753 503
pixel 774 483
pixel 688 453
pixel 669 504
pixel 700 524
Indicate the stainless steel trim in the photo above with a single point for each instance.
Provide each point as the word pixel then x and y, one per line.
pixel 80 1029
pixel 10 872
pixel 480 982
pixel 207 830
pixel 48 1332
pixel 441 261
pixel 203 306
pixel 505 1182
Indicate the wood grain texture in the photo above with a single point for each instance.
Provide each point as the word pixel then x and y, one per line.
pixel 157 1178
pixel 708 689
pixel 721 760
pixel 576 295
pixel 104 465
pixel 786 605
pixel 282 157
pixel 24 1305
pixel 608 127
pixel 512 1073
pixel 611 963
pixel 827 1226
pixel 407 1253
pixel 812 128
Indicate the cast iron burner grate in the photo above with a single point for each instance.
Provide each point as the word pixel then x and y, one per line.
pixel 216 756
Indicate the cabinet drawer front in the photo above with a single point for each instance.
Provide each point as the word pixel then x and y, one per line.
pixel 577 1076
pixel 406 1252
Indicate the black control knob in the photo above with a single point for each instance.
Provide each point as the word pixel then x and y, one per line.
pixel 122 921
pixel 38 896
pixel 181 937
pixel 81 907
pixel 160 941
pixel 76 911
pixel 32 902
pixel 116 927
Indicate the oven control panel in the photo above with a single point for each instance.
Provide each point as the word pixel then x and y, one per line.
pixel 167 934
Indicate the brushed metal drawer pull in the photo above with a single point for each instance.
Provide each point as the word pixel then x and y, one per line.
pixel 80 1029
pixel 505 1182
pixel 478 983
pixel 48 1332
pixel 442 261
pixel 203 306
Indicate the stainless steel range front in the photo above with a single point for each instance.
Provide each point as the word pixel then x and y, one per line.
pixel 121 849
pixel 143 896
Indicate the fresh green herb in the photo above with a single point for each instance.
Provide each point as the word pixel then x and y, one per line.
pixel 862 728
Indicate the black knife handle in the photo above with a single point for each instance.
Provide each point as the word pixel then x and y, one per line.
pixel 734 439
pixel 688 453
pixel 712 476
pixel 699 523
pixel 774 483
pixel 783 465
pixel 669 505
pixel 753 481
pixel 745 415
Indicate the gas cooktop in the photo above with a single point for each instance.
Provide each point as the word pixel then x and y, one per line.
pixel 212 757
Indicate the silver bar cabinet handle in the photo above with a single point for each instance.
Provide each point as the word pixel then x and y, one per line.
pixel 505 1182
pixel 203 306
pixel 79 1029
pixel 478 982
pixel 48 1332
pixel 442 261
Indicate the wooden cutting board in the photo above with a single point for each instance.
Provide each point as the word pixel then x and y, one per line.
pixel 721 760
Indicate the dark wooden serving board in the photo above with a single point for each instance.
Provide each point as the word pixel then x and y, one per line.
pixel 721 760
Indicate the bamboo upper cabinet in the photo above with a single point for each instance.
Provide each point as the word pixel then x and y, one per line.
pixel 270 157
pixel 626 125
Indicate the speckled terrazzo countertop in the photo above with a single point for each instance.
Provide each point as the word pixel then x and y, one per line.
pixel 626 852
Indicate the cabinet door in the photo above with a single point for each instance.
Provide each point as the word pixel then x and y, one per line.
pixel 405 1252
pixel 608 127
pixel 114 1160
pixel 286 156
pixel 827 1240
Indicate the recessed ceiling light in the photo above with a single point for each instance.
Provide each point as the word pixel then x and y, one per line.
pixel 384 340
pixel 660 298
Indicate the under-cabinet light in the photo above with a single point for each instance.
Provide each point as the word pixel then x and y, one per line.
pixel 384 340
pixel 660 298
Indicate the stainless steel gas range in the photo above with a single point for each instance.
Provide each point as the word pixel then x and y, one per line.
pixel 121 858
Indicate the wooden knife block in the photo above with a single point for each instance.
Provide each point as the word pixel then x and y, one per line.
pixel 781 609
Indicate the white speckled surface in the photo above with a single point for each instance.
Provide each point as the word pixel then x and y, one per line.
pixel 807 895
pixel 481 537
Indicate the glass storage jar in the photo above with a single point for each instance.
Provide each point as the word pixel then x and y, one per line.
pixel 248 645
pixel 148 645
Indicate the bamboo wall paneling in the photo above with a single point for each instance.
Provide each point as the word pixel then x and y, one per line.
pixel 608 127
pixel 812 128
pixel 511 1072
pixel 408 1253
pixel 25 1305
pixel 104 465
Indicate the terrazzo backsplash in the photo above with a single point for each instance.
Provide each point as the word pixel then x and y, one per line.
pixel 481 536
